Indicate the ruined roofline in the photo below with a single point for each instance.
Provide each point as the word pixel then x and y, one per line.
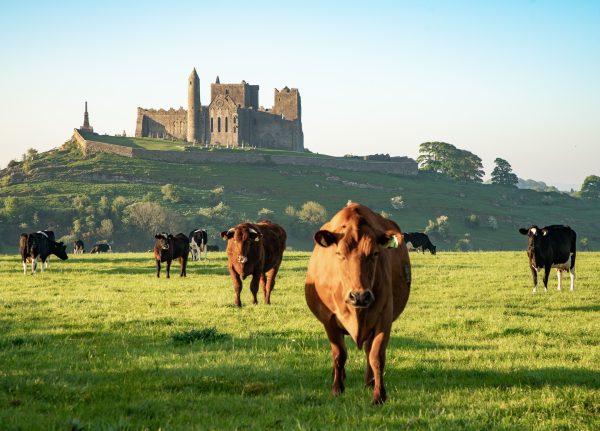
pixel 286 90
pixel 161 110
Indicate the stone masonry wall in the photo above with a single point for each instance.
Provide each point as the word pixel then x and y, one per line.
pixel 404 167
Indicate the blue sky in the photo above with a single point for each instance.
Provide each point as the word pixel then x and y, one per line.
pixel 511 79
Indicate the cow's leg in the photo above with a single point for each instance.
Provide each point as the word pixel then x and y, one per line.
pixel 183 263
pixel 377 363
pixel 270 285
pixel 572 274
pixel 369 379
pixel 158 268
pixel 559 278
pixel 33 265
pixel 547 270
pixel 535 278
pixel 24 267
pixel 237 286
pixel 263 285
pixel 169 268
pixel 339 355
pixel 254 286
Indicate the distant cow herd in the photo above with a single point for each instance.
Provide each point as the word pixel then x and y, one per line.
pixel 358 279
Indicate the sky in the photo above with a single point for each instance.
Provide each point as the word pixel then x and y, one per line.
pixel 519 80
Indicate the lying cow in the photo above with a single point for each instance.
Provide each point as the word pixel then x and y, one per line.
pixel 255 249
pixel 168 248
pixel 551 247
pixel 358 283
pixel 101 248
pixel 418 241
pixel 198 240
pixel 39 244
pixel 78 247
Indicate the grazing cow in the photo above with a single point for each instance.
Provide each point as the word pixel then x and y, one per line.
pixel 78 247
pixel 418 241
pixel 212 248
pixel 255 249
pixel 357 284
pixel 39 244
pixel 198 240
pixel 101 248
pixel 168 248
pixel 551 247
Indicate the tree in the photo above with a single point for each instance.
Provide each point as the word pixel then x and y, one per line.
pixel 312 213
pixel 170 193
pixel 503 174
pixel 591 187
pixel 149 217
pixel 444 158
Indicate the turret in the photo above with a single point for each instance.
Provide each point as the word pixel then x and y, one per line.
pixel 194 107
pixel 86 122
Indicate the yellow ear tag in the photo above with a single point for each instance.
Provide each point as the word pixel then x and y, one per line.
pixel 256 239
pixel 393 242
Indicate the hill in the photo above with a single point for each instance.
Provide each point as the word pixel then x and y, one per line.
pixel 90 196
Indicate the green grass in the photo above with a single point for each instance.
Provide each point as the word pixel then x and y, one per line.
pixel 97 342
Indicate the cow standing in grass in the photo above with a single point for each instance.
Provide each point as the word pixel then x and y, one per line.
pixel 78 247
pixel 551 247
pixel 39 244
pixel 255 249
pixel 358 283
pixel 168 248
pixel 198 240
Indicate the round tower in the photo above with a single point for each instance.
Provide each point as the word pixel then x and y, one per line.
pixel 194 107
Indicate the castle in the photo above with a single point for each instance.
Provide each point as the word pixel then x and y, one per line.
pixel 232 119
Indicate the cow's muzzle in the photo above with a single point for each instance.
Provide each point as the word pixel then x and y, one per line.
pixel 360 298
pixel 242 259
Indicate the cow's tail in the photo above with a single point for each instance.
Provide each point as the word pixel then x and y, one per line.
pixel 573 247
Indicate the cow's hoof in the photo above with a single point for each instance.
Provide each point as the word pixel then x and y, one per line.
pixel 337 391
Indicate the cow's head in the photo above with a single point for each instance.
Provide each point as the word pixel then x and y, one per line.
pixel 241 240
pixel 163 241
pixel 358 247
pixel 536 238
pixel 60 250
pixel 432 249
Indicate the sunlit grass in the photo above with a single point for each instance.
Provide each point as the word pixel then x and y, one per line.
pixel 98 342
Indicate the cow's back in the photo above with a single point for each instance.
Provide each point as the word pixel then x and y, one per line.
pixel 274 238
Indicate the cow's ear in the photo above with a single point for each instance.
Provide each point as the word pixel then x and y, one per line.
pixel 227 234
pixel 326 238
pixel 524 231
pixel 544 232
pixel 390 239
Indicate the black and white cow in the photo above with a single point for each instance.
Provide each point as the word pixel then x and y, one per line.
pixel 40 244
pixel 198 240
pixel 101 248
pixel 551 247
pixel 78 247
pixel 418 241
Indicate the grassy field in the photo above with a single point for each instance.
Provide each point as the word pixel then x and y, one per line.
pixel 97 342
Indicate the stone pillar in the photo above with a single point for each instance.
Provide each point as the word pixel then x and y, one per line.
pixel 194 107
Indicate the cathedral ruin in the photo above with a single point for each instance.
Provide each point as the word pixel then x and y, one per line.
pixel 233 118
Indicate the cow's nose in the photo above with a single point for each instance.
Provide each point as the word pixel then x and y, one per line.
pixel 360 298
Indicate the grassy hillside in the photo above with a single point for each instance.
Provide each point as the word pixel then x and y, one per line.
pixel 98 343
pixel 63 190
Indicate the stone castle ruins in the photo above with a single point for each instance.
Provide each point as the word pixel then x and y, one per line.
pixel 233 118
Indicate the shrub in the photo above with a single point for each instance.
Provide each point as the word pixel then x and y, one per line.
pixel 170 193
pixel 441 227
pixel 472 220
pixel 463 244
pixel 312 213
pixel 290 211
pixel 397 202
pixel 264 213
pixel 492 222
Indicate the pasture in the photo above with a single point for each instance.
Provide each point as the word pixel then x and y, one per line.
pixel 98 342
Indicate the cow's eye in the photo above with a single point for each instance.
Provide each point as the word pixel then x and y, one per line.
pixel 339 254
pixel 375 254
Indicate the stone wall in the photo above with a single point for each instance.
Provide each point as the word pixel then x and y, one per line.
pixel 406 166
pixel 161 123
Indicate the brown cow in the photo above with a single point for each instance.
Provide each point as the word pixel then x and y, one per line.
pixel 358 283
pixel 255 249
pixel 168 248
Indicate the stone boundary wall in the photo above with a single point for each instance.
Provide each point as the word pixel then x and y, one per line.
pixel 406 167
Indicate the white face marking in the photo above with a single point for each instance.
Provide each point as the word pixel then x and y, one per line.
pixel 409 245
pixel 533 230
